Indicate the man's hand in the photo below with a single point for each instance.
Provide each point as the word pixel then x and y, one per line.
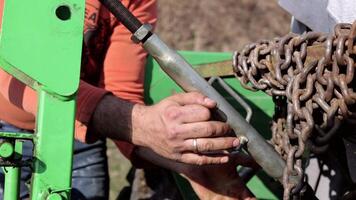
pixel 220 181
pixel 177 128
pixel 170 127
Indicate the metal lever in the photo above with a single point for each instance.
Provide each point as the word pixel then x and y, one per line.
pixel 240 100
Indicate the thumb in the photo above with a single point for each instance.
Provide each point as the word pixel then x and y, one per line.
pixel 193 98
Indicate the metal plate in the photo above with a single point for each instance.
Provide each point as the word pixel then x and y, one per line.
pixel 41 43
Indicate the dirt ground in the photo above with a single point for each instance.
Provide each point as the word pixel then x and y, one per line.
pixel 208 25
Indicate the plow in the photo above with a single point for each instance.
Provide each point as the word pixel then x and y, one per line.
pixel 299 88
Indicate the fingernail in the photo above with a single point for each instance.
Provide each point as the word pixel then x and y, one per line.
pixel 208 101
pixel 236 143
pixel 224 159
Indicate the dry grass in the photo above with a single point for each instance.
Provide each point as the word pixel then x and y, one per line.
pixel 224 25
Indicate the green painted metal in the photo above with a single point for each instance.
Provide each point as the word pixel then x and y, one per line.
pixel 55 125
pixel 12 176
pixel 158 86
pixel 6 149
pixel 41 49
pixel 13 135
pixel 40 44
pixel 55 196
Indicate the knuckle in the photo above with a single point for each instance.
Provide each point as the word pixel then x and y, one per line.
pixel 201 161
pixel 172 113
pixel 208 129
pixel 205 113
pixel 173 133
pixel 213 130
pixel 221 129
pixel 227 128
pixel 216 161
pixel 177 148
pixel 209 145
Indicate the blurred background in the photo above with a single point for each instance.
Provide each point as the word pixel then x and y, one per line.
pixel 208 25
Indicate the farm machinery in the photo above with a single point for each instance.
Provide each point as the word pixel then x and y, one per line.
pixel 305 95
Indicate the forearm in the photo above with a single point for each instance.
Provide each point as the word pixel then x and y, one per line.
pixel 168 127
pixel 113 118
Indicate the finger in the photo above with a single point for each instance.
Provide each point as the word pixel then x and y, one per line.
pixel 193 98
pixel 189 113
pixel 211 144
pixel 196 159
pixel 203 129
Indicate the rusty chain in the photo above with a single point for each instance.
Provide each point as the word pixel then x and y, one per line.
pixel 311 79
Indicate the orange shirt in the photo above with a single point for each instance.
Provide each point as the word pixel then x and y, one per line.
pixel 111 63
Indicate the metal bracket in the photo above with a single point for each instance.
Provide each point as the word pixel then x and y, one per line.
pixel 239 99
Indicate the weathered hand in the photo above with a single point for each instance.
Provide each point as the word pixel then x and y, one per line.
pixel 220 181
pixel 170 127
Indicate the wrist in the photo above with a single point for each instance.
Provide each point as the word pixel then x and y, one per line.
pixel 138 124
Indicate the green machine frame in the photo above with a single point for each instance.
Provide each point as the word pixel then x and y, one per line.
pixel 40 45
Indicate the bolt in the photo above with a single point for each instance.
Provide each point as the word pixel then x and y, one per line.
pixel 243 140
pixel 6 150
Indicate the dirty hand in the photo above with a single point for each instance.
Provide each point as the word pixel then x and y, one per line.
pixel 178 128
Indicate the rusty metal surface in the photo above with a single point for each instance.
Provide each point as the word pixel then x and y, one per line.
pixel 311 79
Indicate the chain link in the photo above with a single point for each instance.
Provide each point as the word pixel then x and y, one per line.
pixel 313 95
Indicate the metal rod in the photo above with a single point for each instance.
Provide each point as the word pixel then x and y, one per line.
pixel 12 183
pixel 12 176
pixel 17 135
pixel 122 14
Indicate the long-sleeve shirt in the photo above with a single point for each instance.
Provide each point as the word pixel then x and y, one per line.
pixel 111 63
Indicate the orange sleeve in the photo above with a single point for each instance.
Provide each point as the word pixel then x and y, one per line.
pixel 125 61
pixel 18 102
